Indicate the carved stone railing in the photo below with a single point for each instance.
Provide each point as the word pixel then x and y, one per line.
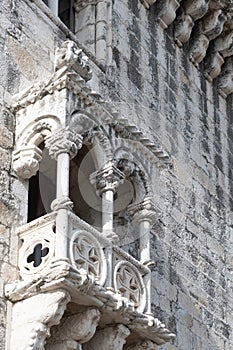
pixel 90 253
pixel 108 281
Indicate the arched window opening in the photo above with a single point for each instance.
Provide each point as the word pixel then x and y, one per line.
pixel 87 205
pixel 42 187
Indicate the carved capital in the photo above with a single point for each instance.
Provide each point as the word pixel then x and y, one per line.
pixel 144 211
pixel 70 56
pixel 33 317
pixel 107 178
pixel 63 141
pixel 75 329
pixel 111 338
pixel 26 161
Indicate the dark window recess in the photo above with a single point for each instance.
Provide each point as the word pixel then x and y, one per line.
pixel 42 187
pixel 66 13
pixel 35 203
pixel 46 2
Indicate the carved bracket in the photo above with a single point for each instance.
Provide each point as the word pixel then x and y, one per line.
pixel 26 161
pixel 167 12
pixel 111 338
pixel 32 319
pixel 193 10
pixel 74 330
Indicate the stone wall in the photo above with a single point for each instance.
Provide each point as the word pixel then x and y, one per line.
pixel 153 83
pixel 192 239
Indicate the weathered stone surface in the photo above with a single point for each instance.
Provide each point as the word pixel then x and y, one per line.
pixel 164 102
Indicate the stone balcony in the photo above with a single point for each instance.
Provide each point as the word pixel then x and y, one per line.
pixel 93 271
pixel 90 255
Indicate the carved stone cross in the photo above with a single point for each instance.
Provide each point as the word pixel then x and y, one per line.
pixel 87 258
pixel 127 285
pixel 37 255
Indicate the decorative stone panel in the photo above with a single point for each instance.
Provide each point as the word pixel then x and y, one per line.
pixel 87 254
pixel 38 246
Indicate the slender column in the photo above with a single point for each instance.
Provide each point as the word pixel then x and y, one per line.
pixel 63 145
pixel 144 214
pixel 106 181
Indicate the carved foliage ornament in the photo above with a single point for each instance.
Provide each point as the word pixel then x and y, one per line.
pixel 107 178
pixel 27 156
pixel 26 161
pixel 63 140
pixel 87 255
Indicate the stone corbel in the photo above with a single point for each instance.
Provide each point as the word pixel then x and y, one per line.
pixel 111 338
pixel 32 319
pixel 167 12
pixel 210 27
pixel 223 47
pixel 70 56
pixel 193 10
pixel 74 330
pixel 226 79
pixel 224 44
pixel 26 161
pixel 199 49
pixel 183 29
pixel 214 65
